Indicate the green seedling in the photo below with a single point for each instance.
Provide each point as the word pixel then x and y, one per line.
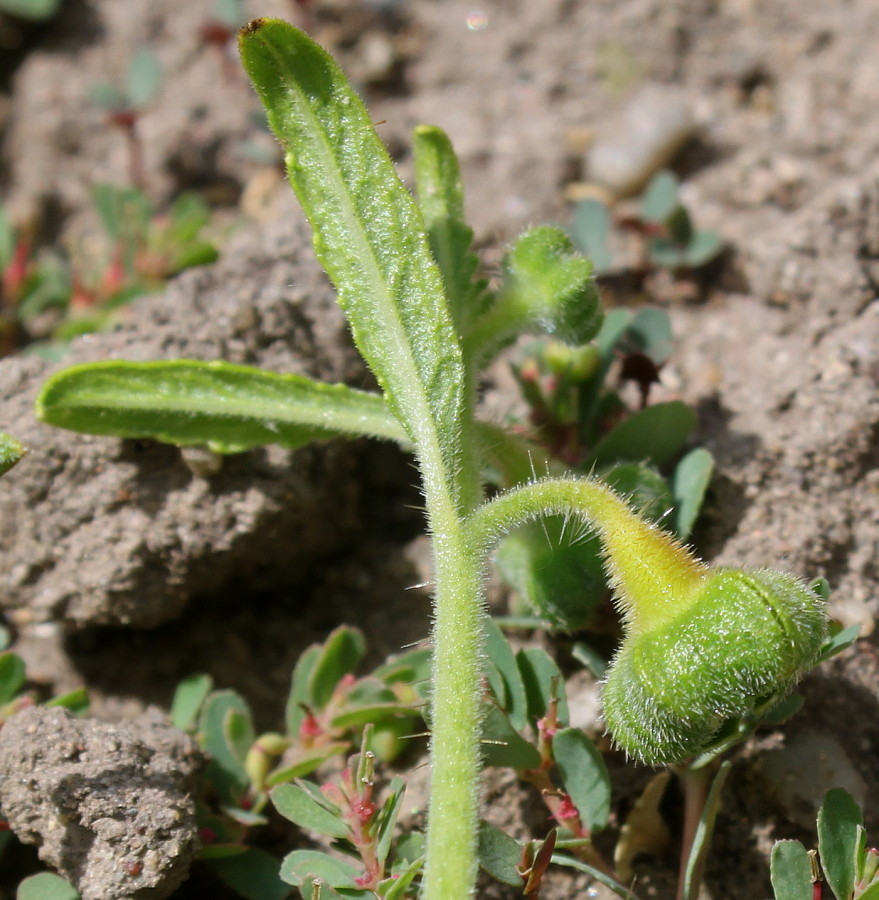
pixel 670 240
pixel 125 103
pixel 404 275
pixel 327 708
pixel 140 249
pixel 849 867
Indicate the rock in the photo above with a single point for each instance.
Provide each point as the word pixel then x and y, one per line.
pixel 99 530
pixel 107 806
pixel 657 122
pixel 799 774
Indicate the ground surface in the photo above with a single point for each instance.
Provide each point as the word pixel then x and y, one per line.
pixel 778 349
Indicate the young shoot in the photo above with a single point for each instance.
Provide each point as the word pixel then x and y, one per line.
pixel 703 646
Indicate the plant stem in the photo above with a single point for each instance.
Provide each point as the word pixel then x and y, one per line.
pixel 695 783
pixel 455 716
pixel 654 576
pixel 458 637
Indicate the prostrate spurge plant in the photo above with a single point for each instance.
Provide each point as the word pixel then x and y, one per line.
pixel 703 646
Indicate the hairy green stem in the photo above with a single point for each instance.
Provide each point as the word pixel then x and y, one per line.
pixel 653 575
pixel 455 703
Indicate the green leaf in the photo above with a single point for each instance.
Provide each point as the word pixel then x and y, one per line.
pixel 368 232
pixel 7 240
pixel 499 855
pixel 293 802
pixel 46 886
pixel 395 888
pixel 838 822
pixel 408 668
pixel 306 763
pixel 645 490
pixel 657 434
pixel 303 866
pixel 783 710
pixel 196 254
pixel 12 676
pixel 144 78
pixel 584 776
pixel 238 731
pixel 689 483
pixel 188 699
pixel 840 638
pixel 591 231
pixel 11 452
pixel 503 746
pixel 702 247
pixel 649 332
pixel 299 698
pixel 229 408
pixel 790 871
pixel 660 198
pixel 386 818
pixel 340 654
pixel 375 713
pixel 226 770
pixel 542 677
pixel 75 701
pixel 503 662
pixel 556 569
pixel 252 874
pixel 34 10
pixel 440 194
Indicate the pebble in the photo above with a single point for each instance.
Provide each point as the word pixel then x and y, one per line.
pixel 658 121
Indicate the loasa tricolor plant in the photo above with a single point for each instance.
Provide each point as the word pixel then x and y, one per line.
pixel 701 645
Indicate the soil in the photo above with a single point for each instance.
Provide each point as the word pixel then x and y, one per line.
pixel 124 570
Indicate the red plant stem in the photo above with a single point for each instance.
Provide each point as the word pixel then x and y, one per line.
pixel 556 802
pixel 695 782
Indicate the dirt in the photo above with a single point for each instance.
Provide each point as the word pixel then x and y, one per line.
pixel 777 348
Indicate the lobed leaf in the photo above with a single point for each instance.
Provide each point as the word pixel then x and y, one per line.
pixel 440 193
pixel 229 408
pixel 368 232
